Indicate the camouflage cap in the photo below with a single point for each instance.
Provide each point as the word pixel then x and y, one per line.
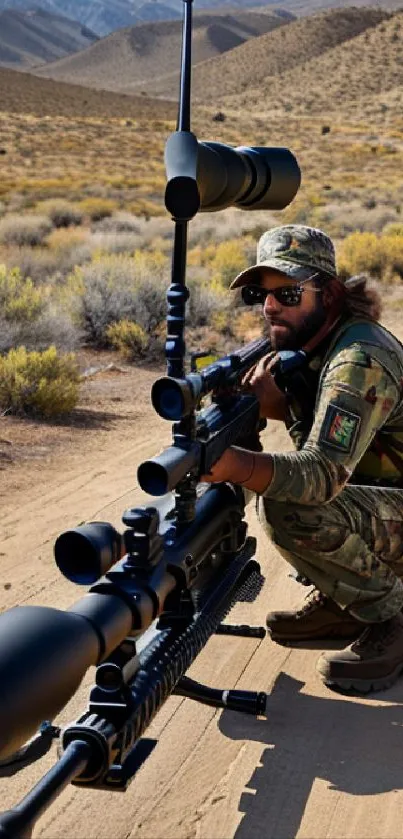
pixel 293 249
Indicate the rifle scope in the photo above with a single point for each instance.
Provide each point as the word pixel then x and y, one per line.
pixel 212 176
pixel 173 399
pixel 87 552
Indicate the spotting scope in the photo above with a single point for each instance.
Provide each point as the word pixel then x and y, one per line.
pixel 212 176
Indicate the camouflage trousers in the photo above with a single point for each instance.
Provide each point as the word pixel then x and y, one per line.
pixel 350 548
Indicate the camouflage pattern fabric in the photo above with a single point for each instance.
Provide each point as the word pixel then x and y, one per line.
pixel 347 539
pixel 294 249
pixel 351 548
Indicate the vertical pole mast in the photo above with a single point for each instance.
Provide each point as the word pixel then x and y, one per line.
pixel 178 294
pixel 184 432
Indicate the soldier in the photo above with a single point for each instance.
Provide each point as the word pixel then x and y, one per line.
pixel 333 507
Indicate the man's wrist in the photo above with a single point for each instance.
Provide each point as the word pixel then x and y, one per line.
pixel 252 470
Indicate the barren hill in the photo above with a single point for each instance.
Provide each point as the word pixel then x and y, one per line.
pixel 23 93
pixel 344 78
pixel 128 59
pixel 274 53
pixel 106 16
pixel 30 37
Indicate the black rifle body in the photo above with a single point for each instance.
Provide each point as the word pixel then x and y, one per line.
pixel 150 613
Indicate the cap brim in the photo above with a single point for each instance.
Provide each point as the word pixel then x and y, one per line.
pixel 252 274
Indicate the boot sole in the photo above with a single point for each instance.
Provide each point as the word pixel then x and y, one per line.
pixel 363 685
pixel 325 634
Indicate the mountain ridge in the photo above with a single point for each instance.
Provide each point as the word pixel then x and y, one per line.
pixel 35 36
pixel 105 16
pixel 276 52
pixel 132 56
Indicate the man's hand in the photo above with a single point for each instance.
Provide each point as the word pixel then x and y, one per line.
pixel 260 381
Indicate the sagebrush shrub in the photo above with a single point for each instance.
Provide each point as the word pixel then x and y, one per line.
pixel 229 259
pixel 29 315
pixel 24 230
pixel 19 299
pixel 224 260
pixel 394 228
pixel 39 264
pixel 119 223
pixel 205 301
pixel 61 213
pixel 129 338
pixel 41 384
pixel 118 287
pixel 97 208
pixel 381 256
pixel 105 243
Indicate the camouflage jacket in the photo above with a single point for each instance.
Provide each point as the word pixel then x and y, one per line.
pixel 356 426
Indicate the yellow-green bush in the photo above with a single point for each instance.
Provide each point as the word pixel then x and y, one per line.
pixel 394 228
pixel 66 238
pixel 129 338
pixel 41 384
pixel 97 208
pixel 228 261
pixel 19 299
pixel 381 256
pixel 223 260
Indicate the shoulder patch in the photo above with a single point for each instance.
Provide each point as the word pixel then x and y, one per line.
pixel 340 429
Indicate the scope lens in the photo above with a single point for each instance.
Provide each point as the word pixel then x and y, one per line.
pixel 153 478
pixel 171 403
pixel 168 400
pixel 84 554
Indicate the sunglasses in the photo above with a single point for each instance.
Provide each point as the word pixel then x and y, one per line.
pixel 287 295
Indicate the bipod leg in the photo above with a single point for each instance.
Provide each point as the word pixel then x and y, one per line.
pixel 245 701
pixel 243 630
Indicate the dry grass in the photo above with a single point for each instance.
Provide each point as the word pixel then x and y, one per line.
pixel 343 76
pixel 23 93
pixel 74 143
pixel 75 158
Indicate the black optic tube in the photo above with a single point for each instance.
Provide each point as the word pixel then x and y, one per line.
pixel 44 655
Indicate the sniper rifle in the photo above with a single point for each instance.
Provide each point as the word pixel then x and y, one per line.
pixel 163 587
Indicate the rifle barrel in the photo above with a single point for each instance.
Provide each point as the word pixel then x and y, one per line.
pixel 20 821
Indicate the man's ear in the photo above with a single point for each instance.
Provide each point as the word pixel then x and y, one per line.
pixel 327 297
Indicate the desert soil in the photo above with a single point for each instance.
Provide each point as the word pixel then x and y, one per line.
pixel 317 765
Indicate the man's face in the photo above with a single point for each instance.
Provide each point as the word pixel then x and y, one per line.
pixel 290 327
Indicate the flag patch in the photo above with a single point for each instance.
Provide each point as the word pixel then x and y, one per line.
pixel 340 428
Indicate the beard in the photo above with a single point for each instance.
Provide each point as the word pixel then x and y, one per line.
pixel 293 338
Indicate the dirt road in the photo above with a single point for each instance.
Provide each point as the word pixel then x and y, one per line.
pixel 319 765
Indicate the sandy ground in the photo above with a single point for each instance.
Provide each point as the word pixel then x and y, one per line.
pixel 317 765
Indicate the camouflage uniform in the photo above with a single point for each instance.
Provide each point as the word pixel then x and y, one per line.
pixel 343 535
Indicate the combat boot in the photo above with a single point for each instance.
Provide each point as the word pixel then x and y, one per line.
pixel 373 662
pixel 318 618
